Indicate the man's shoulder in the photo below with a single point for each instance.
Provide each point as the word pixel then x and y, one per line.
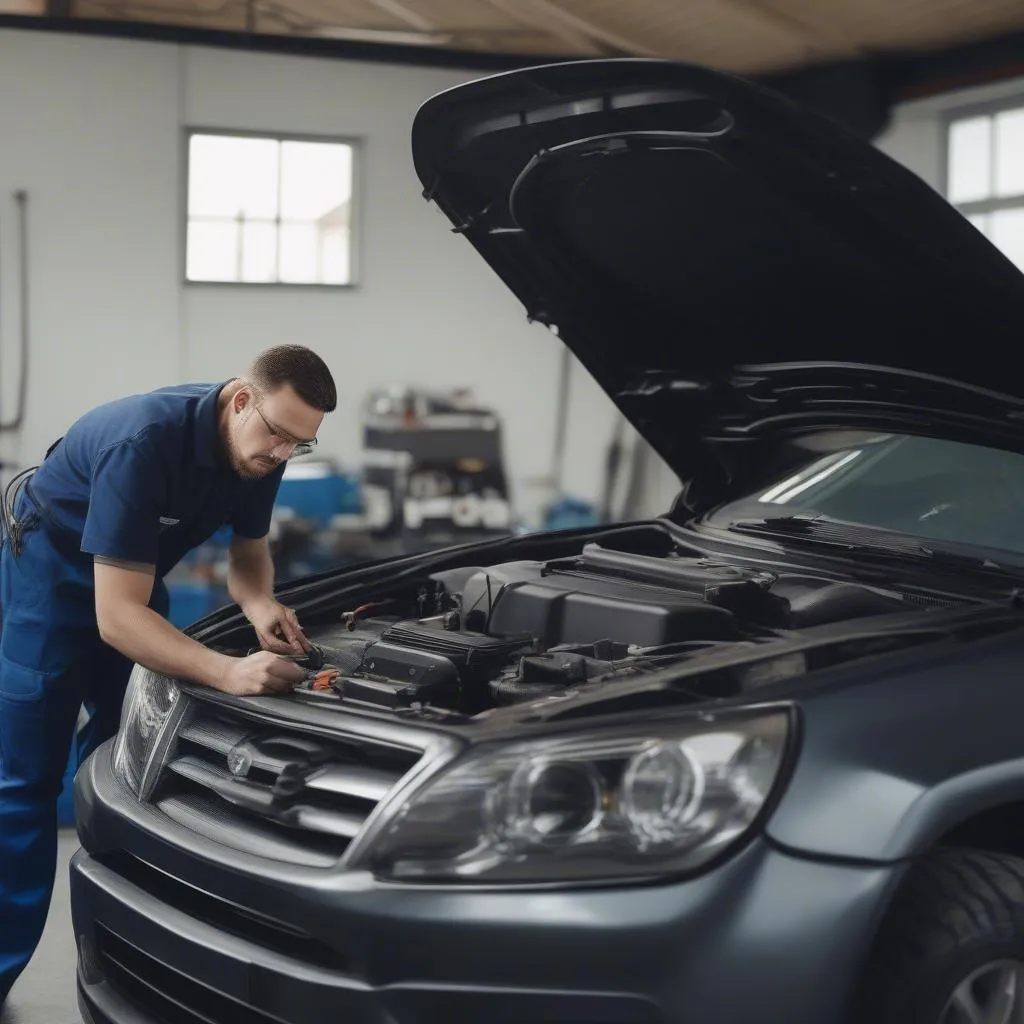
pixel 162 411
pixel 195 391
pixel 158 417
pixel 160 403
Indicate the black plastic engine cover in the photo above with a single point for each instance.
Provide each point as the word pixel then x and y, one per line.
pixel 394 676
pixel 474 654
pixel 570 608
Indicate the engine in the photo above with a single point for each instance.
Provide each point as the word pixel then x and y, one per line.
pixel 476 638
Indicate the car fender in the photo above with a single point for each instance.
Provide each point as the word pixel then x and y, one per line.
pixel 894 752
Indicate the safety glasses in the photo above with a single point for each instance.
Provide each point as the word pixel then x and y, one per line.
pixel 303 447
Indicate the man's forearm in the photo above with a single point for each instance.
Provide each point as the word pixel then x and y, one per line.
pixel 147 638
pixel 250 577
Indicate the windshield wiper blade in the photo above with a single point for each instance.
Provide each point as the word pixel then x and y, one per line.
pixel 822 529
pixel 795 523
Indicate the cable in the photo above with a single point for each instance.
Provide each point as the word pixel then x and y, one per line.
pixel 21 198
pixel 9 526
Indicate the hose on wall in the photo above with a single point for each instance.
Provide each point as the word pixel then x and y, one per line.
pixel 15 422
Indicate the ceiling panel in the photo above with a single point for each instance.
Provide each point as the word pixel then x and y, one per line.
pixel 747 36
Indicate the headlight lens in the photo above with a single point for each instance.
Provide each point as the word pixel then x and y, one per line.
pixel 600 805
pixel 149 705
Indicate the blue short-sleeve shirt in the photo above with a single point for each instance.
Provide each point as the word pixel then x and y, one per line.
pixel 145 479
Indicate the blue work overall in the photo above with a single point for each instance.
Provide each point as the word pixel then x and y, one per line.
pixel 52 663
pixel 138 480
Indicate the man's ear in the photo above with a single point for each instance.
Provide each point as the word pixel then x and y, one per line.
pixel 241 399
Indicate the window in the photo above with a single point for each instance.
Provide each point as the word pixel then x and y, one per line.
pixel 985 175
pixel 269 210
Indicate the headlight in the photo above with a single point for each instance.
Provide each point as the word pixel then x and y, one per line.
pixel 614 803
pixel 149 705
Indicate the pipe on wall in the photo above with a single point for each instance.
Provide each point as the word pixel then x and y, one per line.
pixel 16 421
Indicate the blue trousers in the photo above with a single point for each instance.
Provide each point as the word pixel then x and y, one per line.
pixel 52 663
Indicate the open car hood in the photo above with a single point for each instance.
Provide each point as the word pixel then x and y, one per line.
pixel 731 268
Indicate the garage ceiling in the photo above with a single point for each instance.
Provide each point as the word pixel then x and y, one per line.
pixel 748 36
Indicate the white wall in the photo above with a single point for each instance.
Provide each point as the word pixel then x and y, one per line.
pixel 94 128
pixel 916 135
pixel 89 129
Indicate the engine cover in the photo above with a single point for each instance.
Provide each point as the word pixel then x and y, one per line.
pixel 554 606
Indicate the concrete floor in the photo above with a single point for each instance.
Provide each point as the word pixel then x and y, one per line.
pixel 45 993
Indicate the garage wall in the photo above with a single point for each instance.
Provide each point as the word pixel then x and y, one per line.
pixel 94 129
pixel 87 127
pixel 916 135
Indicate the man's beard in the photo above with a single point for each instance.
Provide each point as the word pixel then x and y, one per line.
pixel 264 465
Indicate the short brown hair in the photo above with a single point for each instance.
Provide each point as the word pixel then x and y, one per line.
pixel 300 367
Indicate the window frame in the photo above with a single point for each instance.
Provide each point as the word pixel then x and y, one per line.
pixel 355 143
pixel 950 116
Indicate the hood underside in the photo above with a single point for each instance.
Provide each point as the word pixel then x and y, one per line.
pixel 731 268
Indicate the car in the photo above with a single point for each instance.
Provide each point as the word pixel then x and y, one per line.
pixel 758 759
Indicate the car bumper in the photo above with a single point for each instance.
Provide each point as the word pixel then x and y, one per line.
pixel 166 931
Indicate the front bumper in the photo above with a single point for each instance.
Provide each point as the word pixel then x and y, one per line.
pixel 174 929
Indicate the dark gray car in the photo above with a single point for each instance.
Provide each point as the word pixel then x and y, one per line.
pixel 759 760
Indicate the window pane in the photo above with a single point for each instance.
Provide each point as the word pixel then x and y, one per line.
pixel 230 176
pixel 264 210
pixel 299 254
pixel 259 253
pixel 334 254
pixel 970 160
pixel 212 252
pixel 1010 153
pixel 1007 232
pixel 316 179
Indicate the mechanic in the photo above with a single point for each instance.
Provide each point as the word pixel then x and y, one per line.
pixel 131 488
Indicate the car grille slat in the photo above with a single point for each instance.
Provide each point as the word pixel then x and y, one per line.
pixel 258 798
pixel 206 815
pixel 244 794
pixel 316 820
pixel 218 736
pixel 354 781
pixel 222 739
pixel 243 781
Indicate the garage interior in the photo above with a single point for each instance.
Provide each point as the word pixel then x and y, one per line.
pixel 141 244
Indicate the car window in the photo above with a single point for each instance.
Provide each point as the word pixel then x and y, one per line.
pixel 933 489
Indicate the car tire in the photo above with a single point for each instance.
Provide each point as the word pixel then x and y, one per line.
pixel 952 945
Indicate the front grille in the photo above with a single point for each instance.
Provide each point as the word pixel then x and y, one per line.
pixel 282 793
pixel 166 995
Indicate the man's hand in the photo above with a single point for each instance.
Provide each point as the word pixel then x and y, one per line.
pixel 129 625
pixel 261 673
pixel 277 627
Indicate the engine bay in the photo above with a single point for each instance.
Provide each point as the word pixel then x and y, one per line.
pixel 473 639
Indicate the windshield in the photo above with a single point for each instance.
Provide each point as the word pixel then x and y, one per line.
pixel 932 489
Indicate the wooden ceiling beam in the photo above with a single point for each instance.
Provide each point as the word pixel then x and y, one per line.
pixel 798 30
pixel 23 8
pixel 402 12
pixel 530 16
pixel 546 14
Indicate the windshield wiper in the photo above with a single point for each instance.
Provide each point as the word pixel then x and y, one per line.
pixel 821 529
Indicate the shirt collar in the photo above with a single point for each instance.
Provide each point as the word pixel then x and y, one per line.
pixel 208 442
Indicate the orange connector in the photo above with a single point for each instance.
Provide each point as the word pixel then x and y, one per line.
pixel 323 679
